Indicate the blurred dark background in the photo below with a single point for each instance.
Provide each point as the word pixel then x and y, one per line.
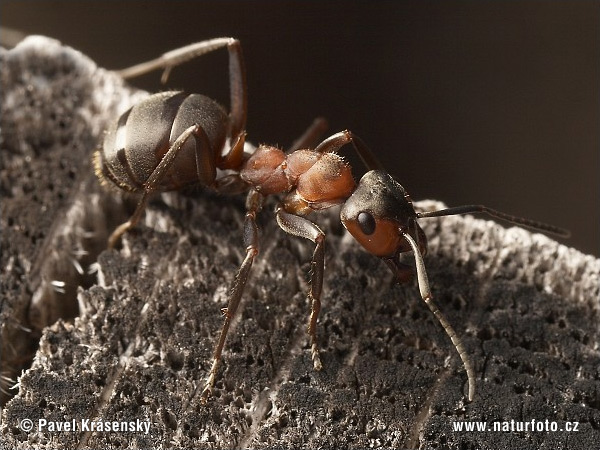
pixel 465 102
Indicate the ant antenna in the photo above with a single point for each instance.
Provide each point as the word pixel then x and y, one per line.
pixel 427 297
pixel 467 209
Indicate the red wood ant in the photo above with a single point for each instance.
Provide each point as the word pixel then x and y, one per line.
pixel 172 140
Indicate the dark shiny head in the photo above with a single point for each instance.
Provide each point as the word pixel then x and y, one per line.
pixel 376 212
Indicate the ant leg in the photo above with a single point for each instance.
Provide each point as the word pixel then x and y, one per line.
pixel 299 226
pixel 253 206
pixel 234 158
pixel 133 220
pixel 334 142
pixel 427 297
pixel 231 184
pixel 238 90
pixel 311 136
pixel 237 73
pixel 402 272
pixel 155 178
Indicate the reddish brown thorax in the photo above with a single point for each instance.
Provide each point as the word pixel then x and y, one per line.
pixel 313 180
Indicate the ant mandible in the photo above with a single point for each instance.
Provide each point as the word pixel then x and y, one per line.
pixel 172 140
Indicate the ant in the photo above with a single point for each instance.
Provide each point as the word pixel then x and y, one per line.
pixel 172 140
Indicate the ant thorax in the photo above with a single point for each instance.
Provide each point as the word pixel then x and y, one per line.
pixel 313 180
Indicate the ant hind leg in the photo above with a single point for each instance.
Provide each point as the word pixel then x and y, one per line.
pixel 237 73
pixel 154 180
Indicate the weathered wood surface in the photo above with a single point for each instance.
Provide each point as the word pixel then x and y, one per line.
pixel 133 339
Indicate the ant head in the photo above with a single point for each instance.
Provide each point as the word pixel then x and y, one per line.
pixel 377 213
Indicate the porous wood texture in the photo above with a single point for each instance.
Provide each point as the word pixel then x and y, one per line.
pixel 128 334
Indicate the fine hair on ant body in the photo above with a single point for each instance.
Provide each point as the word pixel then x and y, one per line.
pixel 172 140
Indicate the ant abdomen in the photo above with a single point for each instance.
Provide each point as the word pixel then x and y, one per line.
pixel 135 144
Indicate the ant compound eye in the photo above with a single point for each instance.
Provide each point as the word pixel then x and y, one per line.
pixel 366 222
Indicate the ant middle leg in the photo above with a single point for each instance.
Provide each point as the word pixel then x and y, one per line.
pixel 250 236
pixel 311 136
pixel 299 226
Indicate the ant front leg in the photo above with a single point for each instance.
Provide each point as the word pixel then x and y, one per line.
pixel 336 141
pixel 253 206
pixel 157 175
pixel 299 226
